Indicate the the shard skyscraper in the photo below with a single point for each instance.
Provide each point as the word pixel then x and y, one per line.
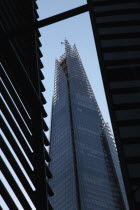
pixel 86 173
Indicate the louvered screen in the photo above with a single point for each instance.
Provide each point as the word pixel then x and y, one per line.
pixel 24 162
pixel 116 26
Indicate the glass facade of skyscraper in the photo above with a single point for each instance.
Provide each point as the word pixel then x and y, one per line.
pixel 83 175
pixel 61 149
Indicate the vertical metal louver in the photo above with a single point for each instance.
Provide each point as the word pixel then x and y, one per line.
pixel 24 157
pixel 116 26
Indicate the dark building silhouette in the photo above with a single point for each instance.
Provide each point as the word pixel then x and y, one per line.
pixel 116 27
pixel 24 157
pixel 84 161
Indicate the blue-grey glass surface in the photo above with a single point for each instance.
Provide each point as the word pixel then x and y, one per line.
pixel 74 98
pixel 115 161
pixel 62 167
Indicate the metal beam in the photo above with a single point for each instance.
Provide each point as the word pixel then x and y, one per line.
pixel 62 16
pixel 45 22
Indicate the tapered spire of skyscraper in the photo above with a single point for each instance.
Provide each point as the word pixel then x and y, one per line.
pixel 84 176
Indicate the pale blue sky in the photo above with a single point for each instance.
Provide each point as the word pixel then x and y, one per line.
pixel 77 30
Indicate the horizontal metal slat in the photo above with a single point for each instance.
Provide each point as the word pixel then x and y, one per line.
pixel 48 172
pixel 107 3
pixel 39 51
pixel 14 186
pixel 20 78
pixel 117 12
pixel 47 157
pixel 122 62
pixel 44 113
pixel 43 99
pixel 46 141
pixel 124 69
pixel 133 160
pixel 123 74
pixel 45 127
pixel 41 75
pixel 42 86
pixel 41 66
pixel 36 6
pixel 120 35
pixel 15 147
pixel 51 193
pixel 135 180
pixel 125 90
pixel 36 14
pixel 130 141
pixel 16 132
pixel 39 43
pixel 38 33
pixel 50 206
pixel 15 113
pixel 122 48
pixel 5 13
pixel 128 122
pixel 17 169
pixel 7 198
pixel 118 23
pixel 11 79
pixel 15 98
pixel 126 106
